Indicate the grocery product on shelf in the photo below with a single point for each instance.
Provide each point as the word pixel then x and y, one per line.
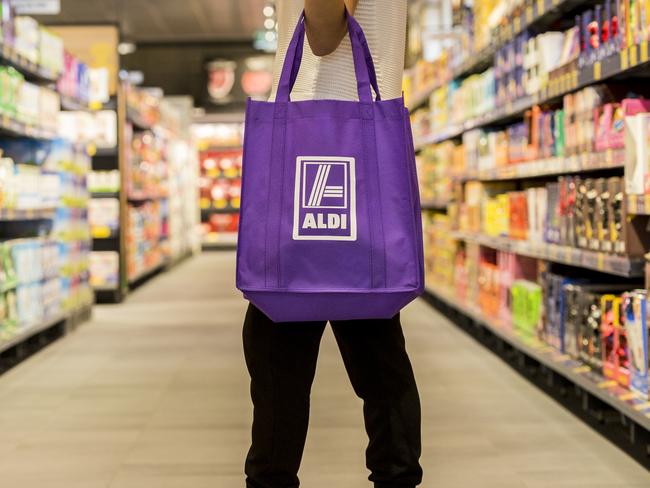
pixel 145 232
pixel 220 160
pixel 635 318
pixel 46 247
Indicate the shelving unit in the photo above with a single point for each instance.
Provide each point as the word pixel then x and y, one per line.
pixel 149 130
pixel 470 264
pixel 44 288
pixel 631 405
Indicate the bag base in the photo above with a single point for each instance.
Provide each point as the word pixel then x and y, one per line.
pixel 329 306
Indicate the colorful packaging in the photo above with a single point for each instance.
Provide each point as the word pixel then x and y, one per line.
pixel 636 329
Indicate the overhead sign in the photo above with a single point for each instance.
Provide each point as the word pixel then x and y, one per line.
pixel 37 7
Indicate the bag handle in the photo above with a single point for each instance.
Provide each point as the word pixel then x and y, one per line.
pixel 363 64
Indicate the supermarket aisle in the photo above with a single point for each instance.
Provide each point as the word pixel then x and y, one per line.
pixel 154 393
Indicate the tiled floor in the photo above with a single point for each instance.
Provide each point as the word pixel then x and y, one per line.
pixel 154 394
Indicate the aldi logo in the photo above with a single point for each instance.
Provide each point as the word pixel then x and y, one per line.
pixel 325 199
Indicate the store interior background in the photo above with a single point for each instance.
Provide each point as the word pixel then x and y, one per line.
pixel 121 132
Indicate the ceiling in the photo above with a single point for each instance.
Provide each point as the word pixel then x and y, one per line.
pixel 168 20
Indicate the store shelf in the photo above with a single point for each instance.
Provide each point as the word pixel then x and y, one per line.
pixel 144 197
pixel 638 204
pixel 12 127
pixel 586 162
pixel 419 98
pixel 219 240
pixel 227 211
pixel 105 152
pixel 599 261
pixel 31 71
pixel 541 12
pixel 621 399
pixel 440 204
pixel 69 103
pixel 8 214
pixel 137 120
pixel 105 194
pixel 609 67
pixel 222 148
pixel 31 331
pixel 105 288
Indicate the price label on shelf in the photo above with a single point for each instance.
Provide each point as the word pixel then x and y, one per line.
pixel 632 204
pixel 634 56
pixel 581 369
pixel 600 261
pixel 644 51
pixel 529 14
pixel 625 60
pixel 101 231
pixel 646 204
pixel 607 384
pixel 642 406
pixel 627 396
pixel 597 71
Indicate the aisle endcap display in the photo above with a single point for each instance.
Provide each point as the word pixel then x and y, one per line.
pixel 220 164
pixel 632 404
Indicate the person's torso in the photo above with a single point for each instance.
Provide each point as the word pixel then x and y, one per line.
pixel 332 76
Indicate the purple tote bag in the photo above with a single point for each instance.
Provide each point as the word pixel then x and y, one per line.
pixel 330 223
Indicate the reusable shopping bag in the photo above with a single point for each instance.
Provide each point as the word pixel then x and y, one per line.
pixel 330 225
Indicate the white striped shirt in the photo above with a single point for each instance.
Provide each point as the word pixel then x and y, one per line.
pixel 332 76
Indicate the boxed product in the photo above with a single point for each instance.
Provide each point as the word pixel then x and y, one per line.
pixel 104 269
pixel 609 331
pixel 48 109
pixel 104 181
pixel 526 307
pixel 50 51
pixel 28 103
pixel 104 213
pixel 27 38
pixel 637 159
pixel 636 330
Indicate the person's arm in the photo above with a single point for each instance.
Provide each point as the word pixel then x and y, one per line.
pixel 326 24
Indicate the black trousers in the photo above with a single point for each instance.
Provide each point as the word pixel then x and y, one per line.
pixel 281 360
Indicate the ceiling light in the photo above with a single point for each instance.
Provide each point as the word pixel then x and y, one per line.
pixel 270 36
pixel 269 24
pixel 125 48
pixel 268 11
